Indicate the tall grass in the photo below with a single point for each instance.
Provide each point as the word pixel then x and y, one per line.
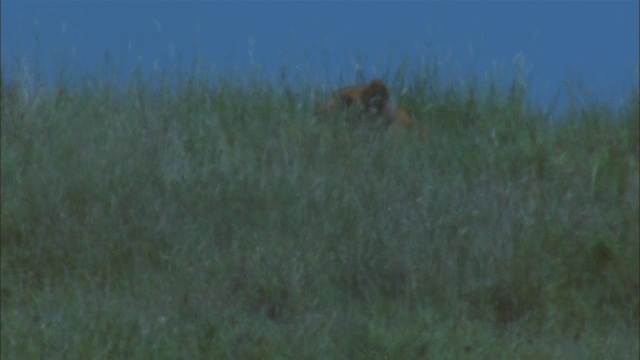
pixel 225 221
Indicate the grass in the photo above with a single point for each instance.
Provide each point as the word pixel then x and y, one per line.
pixel 226 222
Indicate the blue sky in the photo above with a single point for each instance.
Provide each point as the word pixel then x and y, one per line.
pixel 595 42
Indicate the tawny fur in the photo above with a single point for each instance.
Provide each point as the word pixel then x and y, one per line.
pixel 372 99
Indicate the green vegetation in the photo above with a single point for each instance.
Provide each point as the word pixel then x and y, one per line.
pixel 226 222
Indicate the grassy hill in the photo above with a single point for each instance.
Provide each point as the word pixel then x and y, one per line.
pixel 227 222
